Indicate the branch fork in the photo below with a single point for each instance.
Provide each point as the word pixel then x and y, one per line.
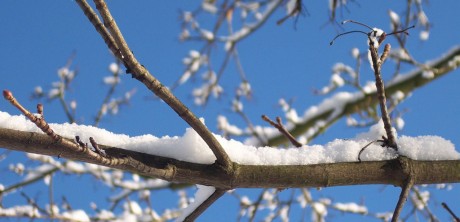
pixel 115 41
pixel 377 61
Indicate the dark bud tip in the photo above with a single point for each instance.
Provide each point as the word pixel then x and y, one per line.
pixel 40 108
pixel 7 94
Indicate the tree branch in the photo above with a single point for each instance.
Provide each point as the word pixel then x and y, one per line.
pixel 94 19
pixel 278 125
pixel 405 190
pixel 250 176
pixel 457 219
pixel 360 101
pixel 143 75
pixel 205 205
pixel 390 141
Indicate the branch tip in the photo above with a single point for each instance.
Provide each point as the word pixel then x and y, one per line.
pixel 7 94
pixel 279 125
pixel 450 211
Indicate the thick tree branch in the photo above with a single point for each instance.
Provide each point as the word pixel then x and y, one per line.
pixel 393 172
pixel 143 75
pixel 405 83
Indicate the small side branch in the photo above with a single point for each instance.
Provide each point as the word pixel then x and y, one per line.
pixel 278 125
pixel 207 203
pixel 403 197
pixel 377 64
pixel 38 120
pixel 97 156
pixel 450 212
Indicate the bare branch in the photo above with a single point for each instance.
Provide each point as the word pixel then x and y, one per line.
pixel 450 212
pixel 143 75
pixel 405 190
pixel 207 203
pixel 407 83
pixel 38 120
pixel 94 19
pixel 278 125
pixel 97 157
pixel 377 64
pixel 254 176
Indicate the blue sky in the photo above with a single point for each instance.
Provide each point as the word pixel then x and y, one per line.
pixel 38 37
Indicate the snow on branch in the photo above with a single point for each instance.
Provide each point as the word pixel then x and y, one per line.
pixel 319 117
pixel 110 31
pixel 194 150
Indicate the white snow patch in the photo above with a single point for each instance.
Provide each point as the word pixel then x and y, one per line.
pixel 191 148
pixel 428 74
pixel 20 211
pixel 424 35
pixel 351 207
pixel 76 215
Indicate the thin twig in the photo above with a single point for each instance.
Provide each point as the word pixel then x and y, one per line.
pixel 386 52
pixel 39 121
pixel 377 64
pixel 98 157
pixel 107 97
pixel 30 180
pixel 424 203
pixel 207 203
pixel 403 197
pixel 362 149
pixel 96 147
pixel 66 108
pixel 363 99
pixel 143 75
pixel 450 211
pixel 256 205
pixel 278 125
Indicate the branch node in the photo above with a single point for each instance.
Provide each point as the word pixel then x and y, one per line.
pixel 389 140
pixel 38 121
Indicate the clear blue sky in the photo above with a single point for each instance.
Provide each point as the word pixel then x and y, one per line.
pixel 37 38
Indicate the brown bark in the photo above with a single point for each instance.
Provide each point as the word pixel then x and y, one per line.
pixel 392 172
